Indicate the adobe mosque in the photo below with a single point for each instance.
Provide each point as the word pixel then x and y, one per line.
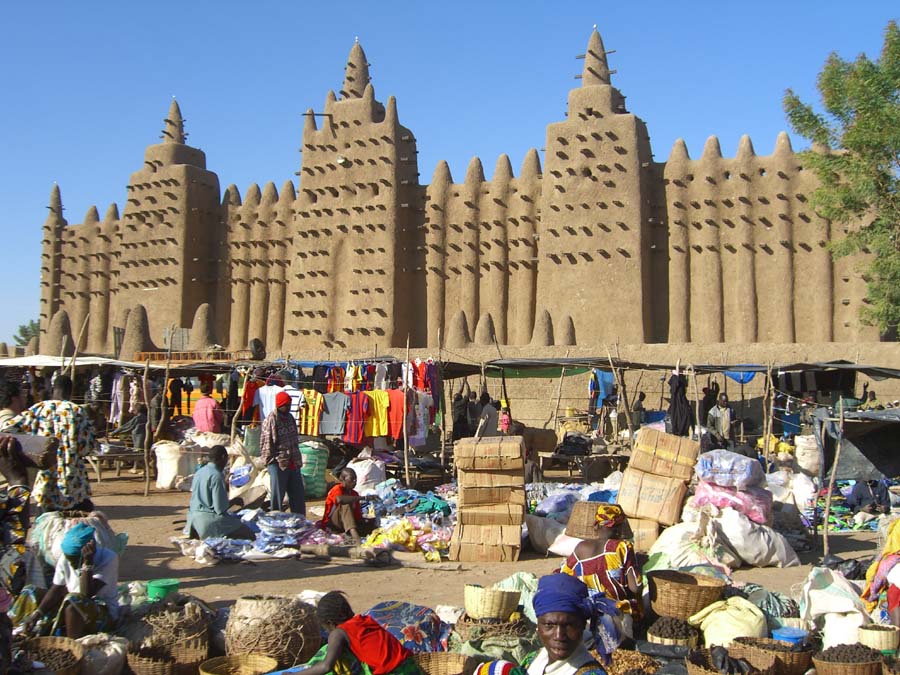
pixel 601 244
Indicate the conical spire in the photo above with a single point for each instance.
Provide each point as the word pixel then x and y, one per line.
pixel 390 113
pixel 531 165
pixel 596 69
pixel 112 213
pixel 55 205
pixel 252 197
pixel 712 149
pixel 679 151
pixel 309 121
pixel 503 169
pixel 745 148
pixel 288 194
pixel 783 144
pixel 442 174
pixel 92 216
pixel 474 172
pixel 356 74
pixel 174 129
pixel 269 194
pixel 232 195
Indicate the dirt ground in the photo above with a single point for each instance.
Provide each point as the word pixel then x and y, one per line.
pixel 151 521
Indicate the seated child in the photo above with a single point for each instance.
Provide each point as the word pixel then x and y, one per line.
pixel 342 510
pixel 356 638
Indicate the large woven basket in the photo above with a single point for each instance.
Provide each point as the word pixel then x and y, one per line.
pixel 763 664
pixel 832 668
pixel 583 521
pixel 690 642
pixel 786 663
pixel 36 646
pixel 883 638
pixel 245 664
pixel 490 603
pixel 281 627
pixel 467 629
pixel 151 661
pixel 445 663
pixel 191 651
pixel 680 594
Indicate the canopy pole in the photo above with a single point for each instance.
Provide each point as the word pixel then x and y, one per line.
pixel 771 414
pixel 77 342
pixel 443 403
pixel 405 412
pixel 828 495
pixel 620 381
pixel 696 401
pixel 148 432
pixel 555 415
pixel 164 413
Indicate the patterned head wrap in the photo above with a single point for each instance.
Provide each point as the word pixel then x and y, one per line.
pixel 609 515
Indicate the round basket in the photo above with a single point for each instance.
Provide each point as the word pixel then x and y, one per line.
pixel 36 648
pixel 681 595
pixel 762 664
pixel 151 661
pixel 690 642
pixel 582 523
pixel 445 663
pixel 834 668
pixel 786 662
pixel 467 629
pixel 245 664
pixel 883 637
pixel 489 603
pixel 191 651
pixel 281 627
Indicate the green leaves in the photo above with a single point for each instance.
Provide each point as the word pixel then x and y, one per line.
pixel 26 331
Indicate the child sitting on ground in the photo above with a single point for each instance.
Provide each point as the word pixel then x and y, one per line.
pixel 357 638
pixel 342 510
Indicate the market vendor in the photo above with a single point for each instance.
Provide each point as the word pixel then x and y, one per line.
pixel 719 422
pixel 83 597
pixel 564 609
pixel 279 449
pixel 136 426
pixel 357 643
pixel 869 496
pixel 343 512
pixel 208 514
pixel 606 563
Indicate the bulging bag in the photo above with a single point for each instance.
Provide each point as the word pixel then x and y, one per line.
pixel 725 620
pixel 729 469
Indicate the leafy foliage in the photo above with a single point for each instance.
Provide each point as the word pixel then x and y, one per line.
pixel 25 332
pixel 856 155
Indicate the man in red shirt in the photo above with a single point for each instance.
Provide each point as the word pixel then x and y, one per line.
pixel 342 510
pixel 279 448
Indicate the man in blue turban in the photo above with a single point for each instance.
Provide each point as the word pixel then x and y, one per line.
pixel 83 596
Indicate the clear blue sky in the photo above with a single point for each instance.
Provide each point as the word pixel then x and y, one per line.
pixel 86 85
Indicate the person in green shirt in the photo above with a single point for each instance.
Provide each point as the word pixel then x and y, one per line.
pixel 208 514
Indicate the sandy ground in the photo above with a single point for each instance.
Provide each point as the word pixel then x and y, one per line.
pixel 151 521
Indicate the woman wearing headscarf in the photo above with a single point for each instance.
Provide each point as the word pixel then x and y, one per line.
pixel 606 563
pixel 564 609
pixel 883 577
pixel 83 597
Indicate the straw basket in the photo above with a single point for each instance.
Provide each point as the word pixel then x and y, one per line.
pixel 191 651
pixel 445 663
pixel 883 638
pixel 690 642
pixel 698 663
pixel 151 662
pixel 681 595
pixel 245 664
pixel 281 627
pixel 786 662
pixel 582 523
pixel 467 629
pixel 36 647
pixel 489 603
pixel 832 668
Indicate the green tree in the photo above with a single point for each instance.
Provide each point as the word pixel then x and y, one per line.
pixel 856 155
pixel 25 332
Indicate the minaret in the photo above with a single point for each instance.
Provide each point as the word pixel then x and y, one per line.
pixel 356 74
pixel 174 129
pixel 596 69
pixel 51 259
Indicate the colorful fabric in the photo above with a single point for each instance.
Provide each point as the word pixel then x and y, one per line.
pixel 279 441
pixel 13 527
pixel 876 575
pixel 95 613
pixel 377 419
pixel 67 485
pixel 373 645
pixel 348 664
pixel 311 412
pixel 76 539
pixel 396 407
pixel 609 573
pixel 354 428
pixel 331 501
pixel 562 593
pixel 609 515
pixel 499 668
pixel 417 628
pixel 208 415
pixel 581 662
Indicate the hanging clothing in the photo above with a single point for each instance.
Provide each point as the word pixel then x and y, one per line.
pixel 311 412
pixel 115 406
pixel 377 421
pixel 320 378
pixel 336 379
pixel 419 374
pixel 422 411
pixel 396 408
pixel 265 399
pixel 680 413
pixel 135 395
pixel 356 418
pixel 599 387
pixel 381 376
pixel 395 373
pixel 247 401
pixel 297 401
pixel 334 414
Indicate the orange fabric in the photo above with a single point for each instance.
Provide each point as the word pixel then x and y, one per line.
pixel 396 409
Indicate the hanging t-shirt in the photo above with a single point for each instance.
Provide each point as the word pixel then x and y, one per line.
pixel 381 376
pixel 422 411
pixel 334 414
pixel 320 378
pixel 336 379
pixel 349 378
pixel 377 421
pixel 249 396
pixel 297 401
pixel 356 418
pixel 419 374
pixel 265 399
pixel 311 412
pixel 395 413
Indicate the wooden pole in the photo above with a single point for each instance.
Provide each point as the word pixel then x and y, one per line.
pixel 164 413
pixel 405 413
pixel 148 432
pixel 831 479
pixel 554 416
pixel 234 417
pixel 765 417
pixel 697 422
pixel 771 414
pixel 443 401
pixel 620 382
pixel 77 342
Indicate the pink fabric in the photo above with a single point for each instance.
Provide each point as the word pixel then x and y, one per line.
pixel 208 415
pixel 754 502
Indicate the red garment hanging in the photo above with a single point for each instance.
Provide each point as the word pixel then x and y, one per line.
pixel 395 413
pixel 354 430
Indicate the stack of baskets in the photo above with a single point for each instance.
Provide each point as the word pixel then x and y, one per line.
pixel 699 662
pixel 882 637
pixel 445 663
pixel 489 613
pixel 53 651
pixel 787 662
pixel 178 642
pixel 680 595
pixel 282 628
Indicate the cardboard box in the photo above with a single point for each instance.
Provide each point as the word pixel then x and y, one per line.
pixel 539 440
pixel 486 543
pixel 663 454
pixel 643 495
pixel 485 496
pixel 514 478
pixel 495 453
pixel 644 533
pixel 492 514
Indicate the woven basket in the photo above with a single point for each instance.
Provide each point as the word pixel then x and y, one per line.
pixel 879 638
pixel 690 642
pixel 190 652
pixel 583 521
pixel 786 663
pixel 831 668
pixel 245 664
pixel 151 662
pixel 445 663
pixel 763 664
pixel 489 603
pixel 681 595
pixel 35 646
pixel 467 629
pixel 281 627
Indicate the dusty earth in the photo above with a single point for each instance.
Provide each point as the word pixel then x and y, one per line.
pixel 151 521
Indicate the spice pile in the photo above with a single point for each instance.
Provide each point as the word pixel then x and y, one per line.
pixel 673 629
pixel 625 662
pixel 772 645
pixel 53 659
pixel 849 654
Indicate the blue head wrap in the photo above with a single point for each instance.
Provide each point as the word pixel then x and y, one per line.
pixel 75 539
